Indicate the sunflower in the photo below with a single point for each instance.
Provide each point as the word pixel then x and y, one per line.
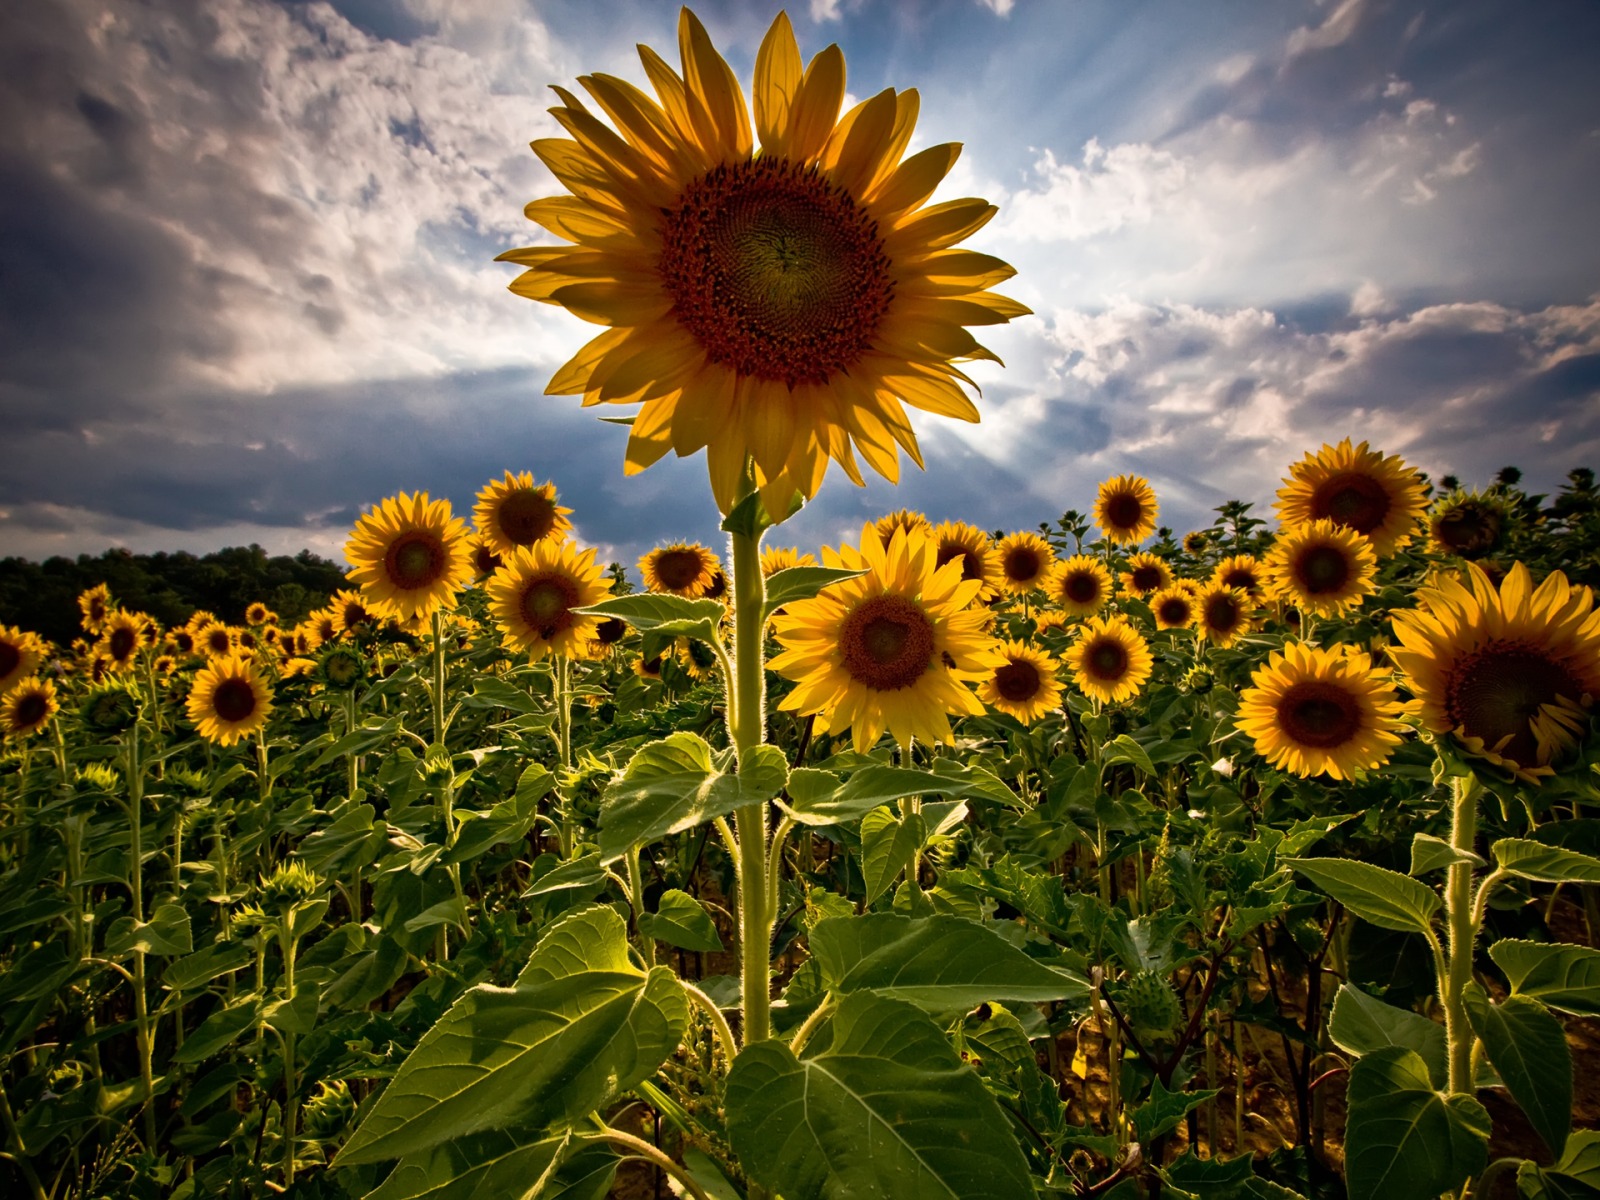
pixel 1195 542
pixel 327 621
pixel 96 605
pixel 781 558
pixel 1321 567
pixel 229 701
pixel 259 614
pixel 485 562
pixel 180 641
pixel 533 596
pixel 20 655
pixel 199 619
pixel 1022 561
pixel 409 555
pixel 28 707
pixel 719 587
pixel 1509 670
pixel 122 636
pixel 1356 488
pixel 1223 614
pixel 1146 575
pixel 1024 685
pixel 650 668
pixel 1321 712
pixel 1079 585
pixel 685 569
pixel 1242 571
pixel 1049 619
pixel 1110 660
pixel 340 667
pixel 902 518
pixel 515 511
pixel 957 539
pixel 111 706
pixel 783 305
pixel 1470 525
pixel 608 632
pixel 1175 607
pixel 1125 509
pixel 217 640
pixel 893 649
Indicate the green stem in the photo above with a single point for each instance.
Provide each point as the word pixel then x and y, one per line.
pixel 438 677
pixel 352 760
pixel 563 698
pixel 647 944
pixel 640 1148
pixel 141 1010
pixel 290 1084
pixel 730 1047
pixel 35 1185
pixel 1458 905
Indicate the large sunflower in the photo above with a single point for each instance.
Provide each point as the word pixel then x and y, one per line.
pixel 1022 561
pixel 1024 685
pixel 1508 671
pixel 533 596
pixel 28 707
pixel 893 649
pixel 515 511
pixel 1079 585
pixel 1125 509
pixel 1313 712
pixel 20 655
pixel 409 556
pixel 1321 567
pixel 1110 659
pixel 229 701
pixel 1356 488
pixel 782 303
pixel 1146 575
pixel 684 569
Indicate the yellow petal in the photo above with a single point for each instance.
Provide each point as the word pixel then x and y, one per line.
pixel 942 225
pixel 571 218
pixel 716 105
pixel 777 79
pixel 573 378
pixel 816 107
pixel 607 303
pixel 855 149
pixel 914 180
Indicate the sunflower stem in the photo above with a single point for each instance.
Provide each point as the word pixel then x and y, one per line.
pixel 141 1010
pixel 563 697
pixel 1463 932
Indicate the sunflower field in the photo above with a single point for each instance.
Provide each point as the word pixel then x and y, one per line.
pixel 1076 861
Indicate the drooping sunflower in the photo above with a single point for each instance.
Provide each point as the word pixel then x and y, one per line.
pixel 783 303
pixel 957 539
pixel 902 518
pixel 1321 712
pixel 1470 525
pixel 516 511
pixel 1080 585
pixel 685 569
pixel 96 604
pixel 110 706
pixel 1321 567
pixel 1146 575
pixel 1175 607
pixel 1022 561
pixel 894 649
pixel 230 700
pixel 122 636
pixel 1125 510
pixel 1223 614
pixel 1110 659
pixel 21 653
pixel 1508 671
pixel 1355 488
pixel 28 707
pixel 781 558
pixel 1242 571
pixel 409 556
pixel 533 596
pixel 1024 685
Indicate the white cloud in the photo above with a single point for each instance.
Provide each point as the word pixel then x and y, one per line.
pixel 1116 187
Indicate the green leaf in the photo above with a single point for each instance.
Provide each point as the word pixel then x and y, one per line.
pixel 1429 853
pixel 1528 1047
pixel 819 798
pixel 1385 898
pixel 293 1016
pixel 351 841
pixel 888 844
pixel 1402 1137
pixel 193 971
pixel 1563 976
pixel 359 740
pixel 942 963
pixel 670 616
pixel 166 932
pixel 582 872
pixel 750 517
pixel 495 1164
pixel 218 1031
pixel 1575 1177
pixel 887 1110
pixel 1546 864
pixel 802 583
pixel 1360 1024
pixel 582 1025
pixel 508 821
pixel 674 784
pixel 680 920
pixel 1161 1113
pixel 452 910
pixel 1123 749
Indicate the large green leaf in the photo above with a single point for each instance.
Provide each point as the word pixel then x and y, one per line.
pixel 1547 864
pixel 1404 1138
pixel 166 932
pixel 1359 1024
pixel 1162 1112
pixel 1528 1047
pixel 820 798
pixel 1575 1177
pixel 1563 976
pixel 677 783
pixel 887 1110
pixel 1386 898
pixel 942 963
pixel 802 583
pixel 888 844
pixel 495 1164
pixel 351 842
pixel 581 1025
pixel 670 616
pixel 680 920
pixel 507 821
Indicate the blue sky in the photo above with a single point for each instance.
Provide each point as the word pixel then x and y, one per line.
pixel 247 289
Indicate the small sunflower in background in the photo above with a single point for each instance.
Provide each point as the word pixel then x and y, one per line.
pixel 1146 575
pixel 96 605
pixel 217 640
pixel 409 556
pixel 122 636
pixel 1509 672
pixel 892 650
pixel 21 653
pixel 957 539
pixel 1470 525
pixel 719 587
pixel 1196 541
pixel 608 632
pixel 110 706
pixel 325 625
pixel 1223 614
pixel 27 708
pixel 229 700
pixel 1321 712
pixel 533 599
pixel 1358 489
pixel 1110 660
pixel 1022 561
pixel 1080 586
pixel 516 511
pixel 1175 607
pixel 351 615
pixel 180 642
pixel 1125 510
pixel 1024 685
pixel 485 561
pixel 902 518
pixel 1321 567
pixel 684 569
pixel 340 666
pixel 1242 571
pixel 781 558
pixel 650 668
pixel 257 614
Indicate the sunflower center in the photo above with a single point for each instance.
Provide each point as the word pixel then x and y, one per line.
pixel 1323 569
pixel 32 708
pixel 484 560
pixel 1124 511
pixel 547 603
pixel 1497 691
pixel 1174 611
pixel 776 272
pixel 1081 588
pixel 1017 681
pixel 413 560
pixel 1467 529
pixel 610 631
pixel 234 700
pixel 1356 501
pixel 10 657
pixel 1240 577
pixel 887 643
pixel 1319 715
pixel 1107 660
pixel 526 516
pixel 678 569
pixel 1223 613
pixel 971 564
pixel 218 641
pixel 123 643
pixel 1023 564
pixel 1145 578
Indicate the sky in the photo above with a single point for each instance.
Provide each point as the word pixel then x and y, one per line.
pixel 247 286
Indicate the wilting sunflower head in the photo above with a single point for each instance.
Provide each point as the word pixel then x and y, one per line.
pixel 1510 672
pixel 1024 685
pixel 685 569
pixel 1470 525
pixel 1079 585
pixel 1242 571
pixel 229 700
pixel 958 540
pixel 781 558
pixel 1174 607
pixel 21 653
pixel 1322 567
pixel 1195 542
pixel 534 598
pixel 515 511
pixel 1110 659
pixel 28 707
pixel 1146 574
pixel 1125 510
pixel 409 556
pixel 1321 712
pixel 781 301
pixel 1223 615
pixel 893 649
pixel 1022 562
pixel 1358 489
